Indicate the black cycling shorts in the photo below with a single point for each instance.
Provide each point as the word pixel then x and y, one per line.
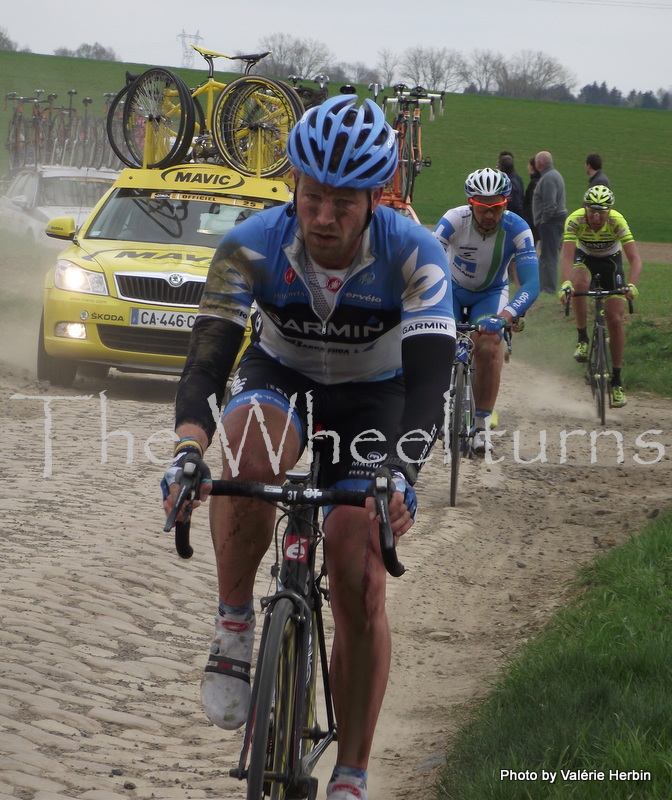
pixel 609 269
pixel 360 419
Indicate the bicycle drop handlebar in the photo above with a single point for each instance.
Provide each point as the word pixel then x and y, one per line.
pixel 290 495
pixel 597 293
pixel 470 327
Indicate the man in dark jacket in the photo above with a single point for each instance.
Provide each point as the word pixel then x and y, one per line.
pixel 594 171
pixel 506 165
pixel 550 211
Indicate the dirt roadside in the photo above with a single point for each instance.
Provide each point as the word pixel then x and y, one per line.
pixel 104 631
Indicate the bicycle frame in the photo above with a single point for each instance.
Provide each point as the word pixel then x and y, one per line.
pixel 211 87
pixel 299 581
pixel 408 127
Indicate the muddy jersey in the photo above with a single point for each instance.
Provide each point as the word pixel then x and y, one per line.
pixel 397 286
pixel 480 263
pixel 605 242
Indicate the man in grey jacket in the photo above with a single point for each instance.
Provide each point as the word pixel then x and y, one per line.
pixel 549 211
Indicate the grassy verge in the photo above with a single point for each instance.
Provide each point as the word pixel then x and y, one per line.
pixel 550 337
pixel 590 700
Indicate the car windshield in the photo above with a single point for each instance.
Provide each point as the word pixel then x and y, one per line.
pixel 77 192
pixel 137 215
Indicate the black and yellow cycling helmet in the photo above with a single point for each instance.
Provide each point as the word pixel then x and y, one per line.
pixel 599 197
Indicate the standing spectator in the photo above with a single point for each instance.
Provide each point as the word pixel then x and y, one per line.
pixel 527 197
pixel 506 165
pixel 549 210
pixel 594 171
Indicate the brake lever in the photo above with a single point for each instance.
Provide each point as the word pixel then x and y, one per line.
pixel 382 494
pixel 185 497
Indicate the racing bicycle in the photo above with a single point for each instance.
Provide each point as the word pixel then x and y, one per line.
pixel 458 424
pixel 598 368
pixel 408 128
pixel 288 727
pixel 244 125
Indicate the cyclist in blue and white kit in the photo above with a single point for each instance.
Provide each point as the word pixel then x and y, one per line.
pixel 481 239
pixel 354 312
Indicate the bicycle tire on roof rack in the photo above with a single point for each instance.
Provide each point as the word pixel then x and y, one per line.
pixel 252 119
pixel 115 126
pixel 159 119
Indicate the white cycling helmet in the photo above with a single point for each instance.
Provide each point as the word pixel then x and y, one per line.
pixel 487 183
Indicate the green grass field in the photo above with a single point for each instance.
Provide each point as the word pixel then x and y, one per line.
pixel 633 142
pixel 593 693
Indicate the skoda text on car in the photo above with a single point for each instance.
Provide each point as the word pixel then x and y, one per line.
pixel 126 292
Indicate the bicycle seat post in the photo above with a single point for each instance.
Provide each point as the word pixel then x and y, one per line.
pixel 211 65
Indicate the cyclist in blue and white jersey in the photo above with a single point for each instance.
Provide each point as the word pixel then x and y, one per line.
pixel 481 239
pixel 354 312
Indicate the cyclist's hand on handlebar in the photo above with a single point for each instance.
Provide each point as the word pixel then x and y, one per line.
pixel 631 291
pixel 407 494
pixel 565 290
pixel 403 503
pixel 173 479
pixel 492 325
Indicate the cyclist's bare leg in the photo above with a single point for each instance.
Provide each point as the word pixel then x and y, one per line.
pixel 360 659
pixel 242 529
pixel 614 311
pixel 489 357
pixel 581 283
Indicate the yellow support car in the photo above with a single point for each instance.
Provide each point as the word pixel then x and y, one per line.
pixel 125 293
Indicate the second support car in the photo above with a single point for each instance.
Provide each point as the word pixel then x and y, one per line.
pixel 36 195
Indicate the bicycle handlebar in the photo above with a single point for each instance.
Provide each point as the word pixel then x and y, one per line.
pixel 290 494
pixel 598 293
pixel 470 327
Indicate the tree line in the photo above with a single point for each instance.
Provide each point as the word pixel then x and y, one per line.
pixel 529 74
pixel 96 51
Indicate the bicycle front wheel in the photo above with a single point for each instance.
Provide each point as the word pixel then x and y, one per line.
pixel 457 429
pixel 271 758
pixel 251 121
pixel 81 146
pixel 16 142
pixel 159 120
pixel 601 373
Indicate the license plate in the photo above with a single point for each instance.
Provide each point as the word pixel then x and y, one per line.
pixel 171 320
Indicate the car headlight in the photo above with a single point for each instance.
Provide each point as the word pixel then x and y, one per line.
pixel 73 278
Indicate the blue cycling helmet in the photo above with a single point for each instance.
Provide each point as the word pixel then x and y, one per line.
pixel 343 146
pixel 487 183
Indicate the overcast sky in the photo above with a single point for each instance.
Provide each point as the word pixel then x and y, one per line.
pixel 623 42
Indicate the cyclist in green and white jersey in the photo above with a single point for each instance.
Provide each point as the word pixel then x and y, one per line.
pixel 595 238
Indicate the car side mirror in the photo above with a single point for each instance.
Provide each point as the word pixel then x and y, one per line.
pixel 61 228
pixel 20 200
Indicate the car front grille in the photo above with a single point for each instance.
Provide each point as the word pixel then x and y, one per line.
pixel 145 340
pixel 159 289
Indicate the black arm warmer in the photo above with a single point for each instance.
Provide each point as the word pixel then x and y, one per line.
pixel 212 352
pixel 427 361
